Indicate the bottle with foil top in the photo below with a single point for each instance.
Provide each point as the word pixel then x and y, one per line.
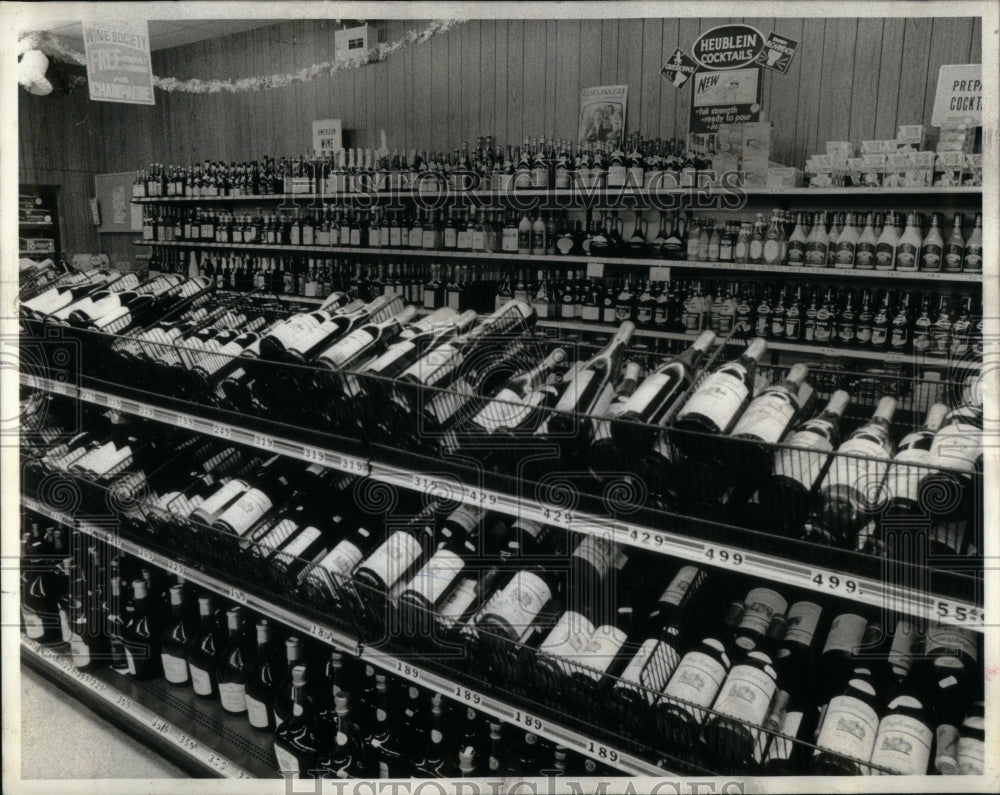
pixel 721 397
pixel 770 414
pixel 910 464
pixel 906 730
pixel 847 733
pixel 762 606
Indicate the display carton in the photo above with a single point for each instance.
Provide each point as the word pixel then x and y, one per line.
pixel 911 136
pixel 756 153
pixel 949 168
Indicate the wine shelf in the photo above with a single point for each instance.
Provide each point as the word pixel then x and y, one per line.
pixel 555 259
pixel 583 193
pixel 403 668
pixel 771 567
pixel 197 733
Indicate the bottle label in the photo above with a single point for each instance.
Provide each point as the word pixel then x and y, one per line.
pixel 601 650
pixel 885 256
pixel 904 477
pixel 509 239
pixel 246 511
pixel 129 660
pixel 781 747
pixel 463 240
pixel 845 254
pixel 903 745
pixel 256 713
pixel 567 642
pixel 849 728
pixel 746 694
pixel 233 697
pixel 433 580
pixel 719 399
pixel 650 389
pixel 864 256
pixel 696 680
pixel 971 756
pixel 816 254
pixel 301 542
pixel 287 763
pixel 175 669
pixel 953 257
pixel 772 252
pixel 930 258
pixel 767 417
pixel 590 313
pixel 846 632
pixel 756 250
pixel 763 604
pixel 459 602
pixel 861 476
pixel 517 606
pixel 957 446
pixel 906 257
pixel 803 619
pixel 973 258
pixel 680 588
pixel 952 641
pixel 450 237
pixel 599 554
pixel 447 404
pixel 393 559
pixel 201 681
pixel 344 350
pixel 80 651
pixel 64 630
pixel 650 668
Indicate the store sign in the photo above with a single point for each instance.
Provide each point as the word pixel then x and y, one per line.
pixel 679 68
pixel 728 47
pixel 777 53
pixel 719 98
pixel 118 65
pixel 328 136
pixel 959 96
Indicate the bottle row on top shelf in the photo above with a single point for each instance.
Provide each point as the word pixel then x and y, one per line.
pixel 863 241
pixel 601 636
pixel 446 385
pixel 898 321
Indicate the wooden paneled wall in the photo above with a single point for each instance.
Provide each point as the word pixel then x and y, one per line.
pixel 852 79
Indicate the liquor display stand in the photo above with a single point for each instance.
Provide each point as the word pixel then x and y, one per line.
pixel 701 502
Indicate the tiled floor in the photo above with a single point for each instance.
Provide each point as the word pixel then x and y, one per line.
pixel 63 739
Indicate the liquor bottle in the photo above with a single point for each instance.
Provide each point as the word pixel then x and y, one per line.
pixel 761 606
pixel 283 703
pixel 141 635
pixel 905 730
pixel 513 403
pixel 864 250
pixel 756 252
pixel 731 732
pixel 343 756
pixel 439 757
pixel 843 640
pixel 39 607
pixel 692 688
pixel 603 454
pixel 887 245
pixel 517 611
pixel 271 485
pixel 177 639
pixel 589 384
pixel 771 413
pixel 851 483
pixel 797 242
pixel 234 666
pixel 263 679
pixel 818 243
pixel 837 221
pixel 365 342
pixel 908 250
pixel 651 403
pixel 932 247
pixel 798 720
pixel 902 484
pixel 113 613
pixel 971 752
pixel 296 745
pixel 383 747
pixel 954 250
pixel 205 651
pixel 847 733
pixel 665 631
pixel 386 570
pixel 847 243
pixel 973 262
pixel 721 397
pixel 799 465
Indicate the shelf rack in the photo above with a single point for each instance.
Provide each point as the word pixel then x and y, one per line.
pixel 551 260
pixel 403 668
pixel 207 741
pixel 771 567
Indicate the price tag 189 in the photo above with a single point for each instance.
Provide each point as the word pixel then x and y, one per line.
pixel 469 696
pixel 322 633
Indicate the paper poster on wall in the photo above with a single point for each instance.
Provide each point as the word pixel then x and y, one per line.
pixel 119 68
pixel 328 135
pixel 959 95
pixel 730 97
pixel 777 53
pixel 679 68
pixel 602 114
pixel 114 201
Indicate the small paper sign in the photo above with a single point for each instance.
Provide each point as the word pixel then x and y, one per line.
pixel 595 270
pixel 328 136
pixel 777 53
pixel 659 273
pixel 679 68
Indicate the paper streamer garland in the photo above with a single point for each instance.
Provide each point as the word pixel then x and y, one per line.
pixel 51 44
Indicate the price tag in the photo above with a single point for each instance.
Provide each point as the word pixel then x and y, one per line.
pixel 530 721
pixel 59 387
pixel 160 725
pixel 125 703
pixel 353 465
pixel 558 516
pixel 647 538
pixel 221 431
pixel 659 273
pixel 888 356
pixel 218 762
pixel 595 270
pixel 477 497
pixel 840 584
pixel 88 395
pixel 723 556
pixel 187 742
pixel 184 421
pixel 599 751
pixel 949 612
pixel 114 402
pixel 145 410
pixel 30 380
pixel 407 670
pixel 313 454
pixel 145 554
pixel 469 696
pixel 237 595
pixel 176 568
pixel 322 633
pixel 262 442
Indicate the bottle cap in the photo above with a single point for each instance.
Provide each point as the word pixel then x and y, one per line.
pixel 139 589
pixel 342 702
pixel 886 408
pixel 298 675
pixel 176 594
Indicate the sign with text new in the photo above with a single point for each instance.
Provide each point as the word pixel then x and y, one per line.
pixel 119 68
pixel 718 98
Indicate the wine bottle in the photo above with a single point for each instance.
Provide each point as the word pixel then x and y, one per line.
pixel 385 571
pixel 843 639
pixel 141 635
pixel 771 413
pixel 721 397
pixel 204 652
pixel 344 757
pixel 652 401
pixel 602 454
pixel 263 679
pixel 847 733
pixel 586 389
pixel 509 407
pixel 295 740
pixel 762 605
pixel 440 761
pixel 177 639
pixel 270 486
pixel 905 730
pixel 851 488
pixel 902 484
pixel 384 747
pixel 234 666
pixel 971 751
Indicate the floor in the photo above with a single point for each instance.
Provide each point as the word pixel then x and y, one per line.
pixel 98 750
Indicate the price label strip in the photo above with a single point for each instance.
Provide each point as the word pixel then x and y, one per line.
pixel 137 712
pixel 530 721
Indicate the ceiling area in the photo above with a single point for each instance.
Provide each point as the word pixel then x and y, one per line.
pixel 163 34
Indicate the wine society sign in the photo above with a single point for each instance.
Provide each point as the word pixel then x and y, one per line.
pixel 728 47
pixel 731 97
pixel 118 64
